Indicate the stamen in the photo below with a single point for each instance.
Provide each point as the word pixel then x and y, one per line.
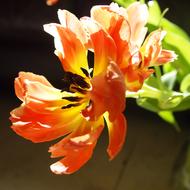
pixel 70 105
pixel 90 57
pixel 70 78
pixel 82 91
pixel 72 99
pixel 85 72
pixel 80 81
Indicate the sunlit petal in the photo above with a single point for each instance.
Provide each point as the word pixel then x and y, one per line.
pixel 113 19
pixel 165 57
pixel 76 148
pixel 44 115
pixel 103 97
pixel 24 76
pixel 69 48
pixel 100 41
pixel 70 21
pixel 44 127
pixel 137 18
pixel 117 133
pixel 152 46
pixel 136 72
pixel 38 94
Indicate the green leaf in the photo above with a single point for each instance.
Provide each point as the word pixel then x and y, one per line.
pixel 154 13
pixel 185 84
pixel 168 116
pixel 176 39
pixel 169 79
pixel 156 19
pixel 125 3
pixel 168 101
pixel 184 104
pixel 167 68
pixel 171 27
pixel 148 104
pixel 152 81
pixel 181 46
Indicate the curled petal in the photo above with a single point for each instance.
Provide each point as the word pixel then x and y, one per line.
pixel 44 116
pixel 113 19
pixel 114 7
pixel 152 48
pixel 76 148
pixel 102 15
pixel 103 97
pixel 136 72
pixel 133 80
pixel 137 18
pixel 165 57
pixel 134 77
pixel 117 132
pixel 108 16
pixel 128 23
pixel 69 48
pixel 38 94
pixel 44 127
pixel 70 21
pixel 24 77
pixel 99 42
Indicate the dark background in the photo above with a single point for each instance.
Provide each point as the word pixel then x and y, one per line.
pixel 25 46
pixel 152 149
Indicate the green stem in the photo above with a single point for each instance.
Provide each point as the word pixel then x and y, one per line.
pixel 145 92
pixel 162 16
pixel 158 76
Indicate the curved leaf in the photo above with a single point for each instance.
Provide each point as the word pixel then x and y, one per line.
pixel 185 84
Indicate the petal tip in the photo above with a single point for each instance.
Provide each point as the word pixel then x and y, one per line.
pixel 110 154
pixel 58 168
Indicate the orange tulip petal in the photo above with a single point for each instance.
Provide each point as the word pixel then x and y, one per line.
pixel 20 83
pixel 44 115
pixel 113 19
pixel 117 133
pixel 134 77
pixel 152 47
pixel 38 94
pixel 137 18
pixel 36 127
pixel 69 48
pixel 44 127
pixel 165 57
pixel 133 80
pixel 103 97
pixel 70 21
pixel 102 15
pixel 99 41
pixel 76 148
pixel 108 16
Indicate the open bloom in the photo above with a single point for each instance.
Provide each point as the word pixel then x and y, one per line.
pixel 90 96
pixel 135 54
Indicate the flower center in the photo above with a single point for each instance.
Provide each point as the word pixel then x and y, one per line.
pixel 77 86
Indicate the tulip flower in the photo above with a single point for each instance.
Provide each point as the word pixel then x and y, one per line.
pixel 135 54
pixel 91 96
